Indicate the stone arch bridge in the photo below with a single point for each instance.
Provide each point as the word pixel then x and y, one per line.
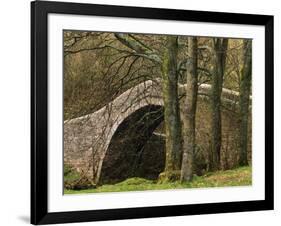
pixel 95 143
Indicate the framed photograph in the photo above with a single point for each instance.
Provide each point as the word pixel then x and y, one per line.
pixel 144 112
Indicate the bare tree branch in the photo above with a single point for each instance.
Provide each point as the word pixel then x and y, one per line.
pixel 138 47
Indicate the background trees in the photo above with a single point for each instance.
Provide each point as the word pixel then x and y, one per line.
pixel 245 92
pixel 219 56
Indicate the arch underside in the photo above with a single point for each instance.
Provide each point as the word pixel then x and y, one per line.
pixel 134 151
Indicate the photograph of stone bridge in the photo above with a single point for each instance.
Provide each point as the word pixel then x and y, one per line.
pixel 149 112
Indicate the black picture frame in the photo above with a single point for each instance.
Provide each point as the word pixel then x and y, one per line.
pixel 39 112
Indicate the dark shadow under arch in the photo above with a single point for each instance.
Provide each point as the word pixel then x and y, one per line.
pixel 125 156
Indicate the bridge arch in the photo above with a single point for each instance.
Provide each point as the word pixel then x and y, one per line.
pixel 87 138
pixel 126 148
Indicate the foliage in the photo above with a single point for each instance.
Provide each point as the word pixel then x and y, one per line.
pixel 70 175
pixel 75 180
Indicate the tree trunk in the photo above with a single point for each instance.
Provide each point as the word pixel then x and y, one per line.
pixel 245 90
pixel 189 112
pixel 171 107
pixel 220 47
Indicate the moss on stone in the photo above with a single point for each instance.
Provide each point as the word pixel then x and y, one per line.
pixel 169 176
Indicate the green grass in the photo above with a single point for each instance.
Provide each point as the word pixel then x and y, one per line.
pixel 241 176
pixel 69 174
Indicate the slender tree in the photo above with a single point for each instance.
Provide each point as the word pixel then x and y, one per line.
pixel 244 100
pixel 168 64
pixel 171 108
pixel 189 111
pixel 220 48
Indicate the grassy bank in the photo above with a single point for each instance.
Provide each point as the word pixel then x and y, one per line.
pixel 237 177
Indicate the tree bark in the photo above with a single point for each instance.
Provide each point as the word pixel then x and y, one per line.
pixel 244 100
pixel 189 112
pixel 220 47
pixel 171 106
